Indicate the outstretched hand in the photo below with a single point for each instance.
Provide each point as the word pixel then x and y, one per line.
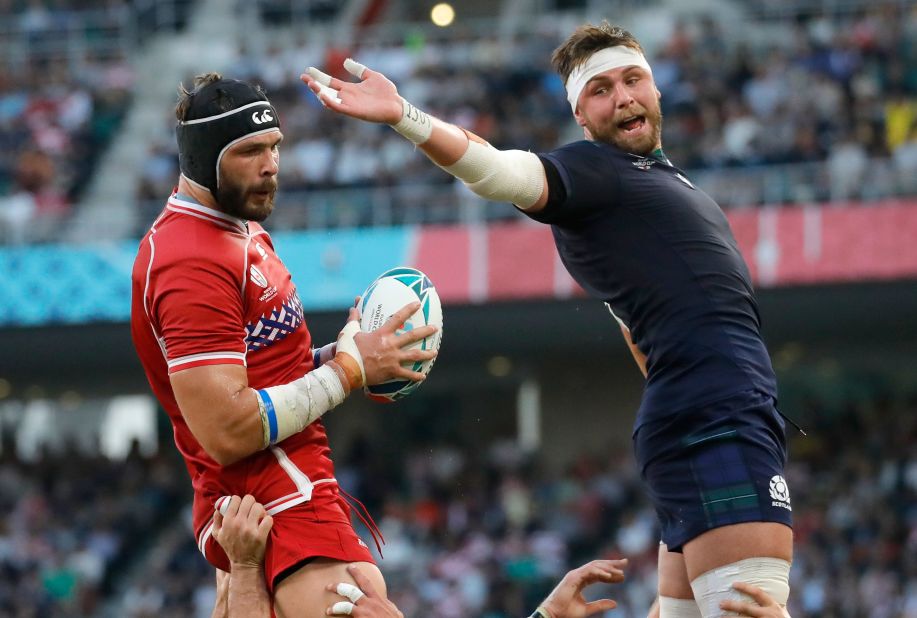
pixel 567 601
pixel 374 98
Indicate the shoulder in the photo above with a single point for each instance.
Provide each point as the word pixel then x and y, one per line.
pixel 181 247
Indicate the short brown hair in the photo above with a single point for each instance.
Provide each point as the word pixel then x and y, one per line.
pixel 184 95
pixel 586 40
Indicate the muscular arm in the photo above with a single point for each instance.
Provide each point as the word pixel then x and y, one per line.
pixel 491 173
pixel 220 409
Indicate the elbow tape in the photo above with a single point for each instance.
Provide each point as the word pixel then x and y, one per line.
pixel 514 176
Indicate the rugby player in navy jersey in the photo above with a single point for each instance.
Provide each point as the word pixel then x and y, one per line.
pixel 634 232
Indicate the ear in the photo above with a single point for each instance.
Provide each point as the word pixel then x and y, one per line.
pixel 578 116
pixel 658 93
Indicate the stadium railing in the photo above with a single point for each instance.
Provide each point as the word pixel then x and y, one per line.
pixel 738 187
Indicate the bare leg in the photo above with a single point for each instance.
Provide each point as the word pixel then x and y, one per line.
pixel 303 594
pixel 728 544
pixel 673 575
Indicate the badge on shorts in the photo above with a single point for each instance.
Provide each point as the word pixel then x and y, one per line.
pixel 780 492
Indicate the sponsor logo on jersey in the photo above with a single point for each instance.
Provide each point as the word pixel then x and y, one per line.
pixel 258 277
pixel 643 164
pixel 780 492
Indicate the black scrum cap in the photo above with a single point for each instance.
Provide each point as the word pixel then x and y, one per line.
pixel 220 114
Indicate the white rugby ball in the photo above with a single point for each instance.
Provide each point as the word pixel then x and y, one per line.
pixel 391 291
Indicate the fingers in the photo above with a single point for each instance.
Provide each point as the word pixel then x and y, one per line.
pixel 324 79
pixel 354 68
pixel 742 609
pixel 349 592
pixel 363 582
pixel 353 315
pixel 760 597
pixel 341 608
pixel 401 316
pixel 602 605
pixel 264 528
pixel 217 524
pixel 415 334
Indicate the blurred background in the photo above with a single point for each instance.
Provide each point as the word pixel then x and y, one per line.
pixel 513 463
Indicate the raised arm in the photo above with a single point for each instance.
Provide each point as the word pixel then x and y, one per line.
pixel 513 176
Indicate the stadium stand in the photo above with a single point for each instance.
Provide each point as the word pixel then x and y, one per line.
pixel 470 531
pixel 819 110
pixel 783 102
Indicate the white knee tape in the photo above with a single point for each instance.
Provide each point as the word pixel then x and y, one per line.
pixel 670 607
pixel 771 575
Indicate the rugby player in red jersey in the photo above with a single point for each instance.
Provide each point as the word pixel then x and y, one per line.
pixel 218 325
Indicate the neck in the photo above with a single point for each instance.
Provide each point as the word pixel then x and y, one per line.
pixel 202 196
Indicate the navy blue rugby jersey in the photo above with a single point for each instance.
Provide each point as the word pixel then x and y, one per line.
pixel 634 232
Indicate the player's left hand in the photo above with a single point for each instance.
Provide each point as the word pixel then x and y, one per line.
pixel 567 601
pixel 766 607
pixel 374 98
pixel 241 528
pixel 362 600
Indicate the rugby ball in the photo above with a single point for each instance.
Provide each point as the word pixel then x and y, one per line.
pixel 391 291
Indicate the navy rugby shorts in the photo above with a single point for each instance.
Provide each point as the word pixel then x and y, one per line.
pixel 715 466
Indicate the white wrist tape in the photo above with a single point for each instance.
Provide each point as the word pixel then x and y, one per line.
pixel 347 345
pixel 514 176
pixel 772 575
pixel 289 408
pixel 415 124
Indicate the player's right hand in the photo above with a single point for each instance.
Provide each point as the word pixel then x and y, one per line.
pixel 374 98
pixel 383 350
pixel 241 527
pixel 567 601
pixel 763 607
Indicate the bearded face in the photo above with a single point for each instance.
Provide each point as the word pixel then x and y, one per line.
pixel 621 107
pixel 252 202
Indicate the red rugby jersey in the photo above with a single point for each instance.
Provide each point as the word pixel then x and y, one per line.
pixel 209 289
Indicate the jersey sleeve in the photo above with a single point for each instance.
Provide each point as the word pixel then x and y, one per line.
pixel 581 180
pixel 198 308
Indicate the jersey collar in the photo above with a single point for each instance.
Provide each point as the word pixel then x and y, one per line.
pixel 187 205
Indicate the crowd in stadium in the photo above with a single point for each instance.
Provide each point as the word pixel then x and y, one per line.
pixel 841 91
pixel 469 531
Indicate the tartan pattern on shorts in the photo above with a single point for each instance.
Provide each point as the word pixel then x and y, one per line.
pixel 723 479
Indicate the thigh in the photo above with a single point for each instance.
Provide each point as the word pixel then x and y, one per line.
pixel 673 575
pixel 728 544
pixel 303 594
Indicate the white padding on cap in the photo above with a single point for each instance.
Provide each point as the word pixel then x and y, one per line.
pixel 772 575
pixel 514 176
pixel 599 62
pixel 670 607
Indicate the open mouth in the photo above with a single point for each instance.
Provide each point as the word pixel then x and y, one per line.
pixel 632 124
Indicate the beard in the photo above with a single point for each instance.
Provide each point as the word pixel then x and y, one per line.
pixel 249 203
pixel 643 144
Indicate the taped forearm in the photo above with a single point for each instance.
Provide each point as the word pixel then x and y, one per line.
pixel 514 176
pixel 289 408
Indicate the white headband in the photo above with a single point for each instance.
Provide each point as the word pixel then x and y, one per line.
pixel 599 62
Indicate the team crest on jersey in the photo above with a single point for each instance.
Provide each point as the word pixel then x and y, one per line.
pixel 282 321
pixel 258 277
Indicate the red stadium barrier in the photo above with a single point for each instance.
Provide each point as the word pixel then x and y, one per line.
pixel 783 245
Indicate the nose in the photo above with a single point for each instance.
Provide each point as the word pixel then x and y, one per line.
pixel 270 164
pixel 623 96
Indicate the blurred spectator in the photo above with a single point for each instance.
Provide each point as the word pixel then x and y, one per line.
pixel 728 103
